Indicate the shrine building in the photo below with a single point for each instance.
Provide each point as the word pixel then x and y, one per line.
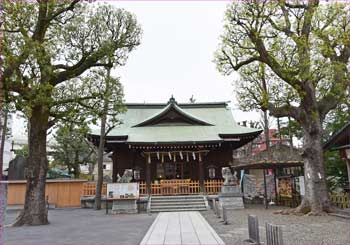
pixel 182 144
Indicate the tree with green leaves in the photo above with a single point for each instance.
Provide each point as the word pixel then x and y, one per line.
pixel 104 112
pixel 50 49
pixel 23 151
pixel 305 46
pixel 253 94
pixel 291 129
pixel 72 149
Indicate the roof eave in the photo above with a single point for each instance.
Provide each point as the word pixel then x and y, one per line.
pixel 332 140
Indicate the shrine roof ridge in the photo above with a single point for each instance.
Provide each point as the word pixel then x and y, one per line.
pixel 183 105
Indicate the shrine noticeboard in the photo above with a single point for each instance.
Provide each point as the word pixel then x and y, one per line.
pixel 123 190
pixel 285 188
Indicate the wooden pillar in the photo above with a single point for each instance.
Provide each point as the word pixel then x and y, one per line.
pixel 345 154
pixel 348 167
pixel 265 190
pixel 201 176
pixel 148 177
pixel 114 172
pixel 275 182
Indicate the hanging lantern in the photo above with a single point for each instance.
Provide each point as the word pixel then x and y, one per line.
pixel 181 156
pixel 162 158
pixel 158 155
pixel 174 157
pixel 169 154
pixel 187 158
pixel 149 158
pixel 199 157
pixel 194 156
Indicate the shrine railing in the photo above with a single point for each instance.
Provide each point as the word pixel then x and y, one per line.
pixel 89 189
pixel 184 187
pixel 167 187
pixel 341 200
pixel 213 187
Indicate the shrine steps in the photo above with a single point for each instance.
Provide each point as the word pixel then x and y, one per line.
pixel 345 214
pixel 177 203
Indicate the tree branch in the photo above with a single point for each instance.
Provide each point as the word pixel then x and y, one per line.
pixel 240 64
pixel 61 11
pixel 285 110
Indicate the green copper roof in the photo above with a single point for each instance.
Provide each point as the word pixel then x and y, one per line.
pixel 213 119
pixel 172 105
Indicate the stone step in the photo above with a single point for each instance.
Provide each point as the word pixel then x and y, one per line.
pixel 177 198
pixel 178 201
pixel 340 215
pixel 344 211
pixel 178 206
pixel 177 210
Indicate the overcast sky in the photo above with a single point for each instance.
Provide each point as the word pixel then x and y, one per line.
pixel 175 56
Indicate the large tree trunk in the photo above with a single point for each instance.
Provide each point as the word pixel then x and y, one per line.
pixel 290 135
pixel 266 132
pixel 101 146
pixel 1 148
pixel 76 166
pixel 100 164
pixel 316 200
pixel 279 132
pixel 35 211
pixel 3 130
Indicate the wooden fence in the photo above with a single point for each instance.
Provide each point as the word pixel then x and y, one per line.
pixel 165 188
pixel 341 200
pixel 89 189
pixel 61 192
pixel 213 187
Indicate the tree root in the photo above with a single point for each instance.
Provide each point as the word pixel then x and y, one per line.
pixel 19 220
pixel 23 219
pixel 320 213
pixel 305 210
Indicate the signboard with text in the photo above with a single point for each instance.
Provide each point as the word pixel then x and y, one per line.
pixel 123 190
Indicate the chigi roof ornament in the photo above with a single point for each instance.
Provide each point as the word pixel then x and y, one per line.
pixel 172 100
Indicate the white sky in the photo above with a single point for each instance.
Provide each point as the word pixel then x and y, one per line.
pixel 175 56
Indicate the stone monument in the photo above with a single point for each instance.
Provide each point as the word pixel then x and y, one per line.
pixel 126 202
pixel 230 195
pixel 16 168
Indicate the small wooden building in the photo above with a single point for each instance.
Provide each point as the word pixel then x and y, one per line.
pixel 166 143
pixel 282 164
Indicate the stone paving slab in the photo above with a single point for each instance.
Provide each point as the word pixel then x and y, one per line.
pixel 180 228
pixel 81 226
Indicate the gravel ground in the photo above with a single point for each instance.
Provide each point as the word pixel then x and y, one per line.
pixel 296 229
pixel 81 226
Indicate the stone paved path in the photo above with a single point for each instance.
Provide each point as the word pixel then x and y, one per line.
pixel 181 228
pixel 81 226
